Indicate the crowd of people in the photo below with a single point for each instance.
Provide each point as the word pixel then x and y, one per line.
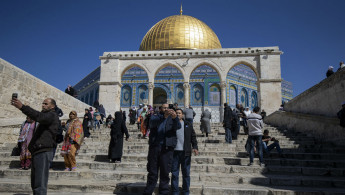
pixel 172 138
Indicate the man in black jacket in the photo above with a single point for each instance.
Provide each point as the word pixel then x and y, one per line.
pixel 186 140
pixel 42 143
pixel 163 126
pixel 227 123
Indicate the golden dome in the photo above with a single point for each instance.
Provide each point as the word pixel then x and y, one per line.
pixel 180 32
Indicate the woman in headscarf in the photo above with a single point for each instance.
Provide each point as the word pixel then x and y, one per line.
pixel 87 123
pixel 118 128
pixel 26 131
pixel 132 115
pixel 72 141
pixel 205 126
pixel 143 127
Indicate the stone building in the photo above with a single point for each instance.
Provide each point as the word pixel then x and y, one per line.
pixel 181 60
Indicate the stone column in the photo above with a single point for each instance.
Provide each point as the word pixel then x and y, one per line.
pixel 186 88
pixel 110 96
pixel 222 100
pixel 151 87
pixel 269 83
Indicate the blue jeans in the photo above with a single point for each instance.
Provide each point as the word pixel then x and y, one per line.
pixel 179 158
pixel 159 159
pixel 228 136
pixel 40 172
pixel 96 122
pixel 267 149
pixel 258 139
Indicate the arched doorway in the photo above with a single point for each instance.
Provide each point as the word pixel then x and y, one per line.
pixel 170 79
pixel 159 96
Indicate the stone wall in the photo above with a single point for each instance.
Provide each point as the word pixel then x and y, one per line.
pixel 31 91
pixel 322 127
pixel 324 99
pixel 315 110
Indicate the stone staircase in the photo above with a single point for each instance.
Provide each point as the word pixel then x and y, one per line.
pixel 220 168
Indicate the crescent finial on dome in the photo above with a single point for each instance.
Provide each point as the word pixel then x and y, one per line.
pixel 181 10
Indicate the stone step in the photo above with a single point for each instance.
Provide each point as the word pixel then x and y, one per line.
pixel 196 178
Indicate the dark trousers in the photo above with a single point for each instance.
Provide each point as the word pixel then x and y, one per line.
pixel 236 131
pixel 180 158
pixel 159 160
pixel 51 162
pixel 40 172
pixel 228 136
pixel 190 120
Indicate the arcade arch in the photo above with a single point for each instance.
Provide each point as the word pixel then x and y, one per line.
pixel 242 82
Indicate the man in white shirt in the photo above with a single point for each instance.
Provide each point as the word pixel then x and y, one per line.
pixel 255 125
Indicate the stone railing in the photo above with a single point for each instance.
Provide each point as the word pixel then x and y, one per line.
pixel 31 91
pixel 324 98
pixel 315 111
pixel 323 128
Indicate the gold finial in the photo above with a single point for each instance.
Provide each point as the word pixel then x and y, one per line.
pixel 181 10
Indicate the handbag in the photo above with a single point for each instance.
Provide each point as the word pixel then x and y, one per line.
pixel 16 151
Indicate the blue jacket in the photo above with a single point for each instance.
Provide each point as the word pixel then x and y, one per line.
pixel 170 130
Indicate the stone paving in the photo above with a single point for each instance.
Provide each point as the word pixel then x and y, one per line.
pixel 220 168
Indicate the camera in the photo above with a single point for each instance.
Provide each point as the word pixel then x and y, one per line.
pixel 171 106
pixel 14 96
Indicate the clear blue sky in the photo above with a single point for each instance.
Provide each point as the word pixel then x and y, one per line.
pixel 60 41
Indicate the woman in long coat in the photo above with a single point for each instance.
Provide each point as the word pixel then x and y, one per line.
pixel 87 123
pixel 205 126
pixel 118 128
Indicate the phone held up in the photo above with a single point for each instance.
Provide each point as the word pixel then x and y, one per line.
pixel 14 96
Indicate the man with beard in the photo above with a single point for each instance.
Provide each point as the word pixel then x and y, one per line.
pixel 42 143
pixel 162 141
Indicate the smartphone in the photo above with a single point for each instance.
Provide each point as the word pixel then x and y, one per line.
pixel 14 95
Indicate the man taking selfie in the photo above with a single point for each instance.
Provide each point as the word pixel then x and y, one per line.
pixel 42 142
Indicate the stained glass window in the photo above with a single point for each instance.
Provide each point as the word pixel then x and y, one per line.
pixel 254 100
pixel 198 95
pixel 126 96
pixel 214 94
pixel 233 96
pixel 142 94
pixel 244 97
pixel 179 97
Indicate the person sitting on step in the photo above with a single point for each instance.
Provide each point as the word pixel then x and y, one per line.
pixel 267 148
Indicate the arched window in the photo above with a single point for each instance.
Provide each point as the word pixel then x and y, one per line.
pixel 198 95
pixel 126 96
pixel 233 96
pixel 244 97
pixel 142 94
pixel 254 100
pixel 179 95
pixel 214 95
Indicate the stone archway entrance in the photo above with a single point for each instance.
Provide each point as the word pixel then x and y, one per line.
pixel 159 96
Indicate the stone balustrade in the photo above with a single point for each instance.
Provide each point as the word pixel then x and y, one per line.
pixel 31 91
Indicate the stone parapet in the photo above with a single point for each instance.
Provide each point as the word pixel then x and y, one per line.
pixel 193 53
pixel 31 91
pixel 324 129
pixel 324 98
